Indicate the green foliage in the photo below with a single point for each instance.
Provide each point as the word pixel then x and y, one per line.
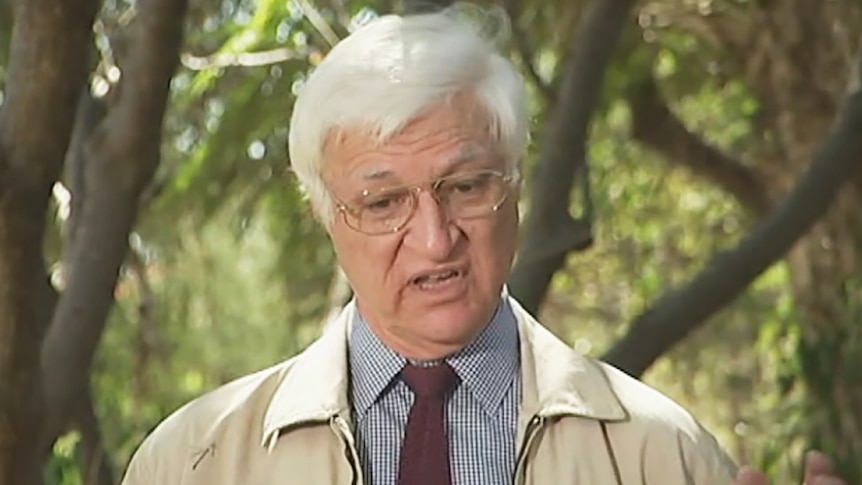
pixel 656 227
pixel 232 271
pixel 62 467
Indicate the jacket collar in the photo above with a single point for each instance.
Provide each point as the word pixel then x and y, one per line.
pixel 556 380
pixel 314 386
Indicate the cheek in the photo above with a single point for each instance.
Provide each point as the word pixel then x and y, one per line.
pixel 367 260
pixel 493 246
pixel 347 247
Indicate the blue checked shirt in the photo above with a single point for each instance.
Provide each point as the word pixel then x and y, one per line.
pixel 482 412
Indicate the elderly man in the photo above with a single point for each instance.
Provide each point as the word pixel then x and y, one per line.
pixel 408 139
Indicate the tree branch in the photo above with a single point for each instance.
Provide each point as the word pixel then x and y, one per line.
pixel 123 156
pixel 320 24
pixel 685 309
pixel 94 462
pixel 45 74
pixel 550 231
pixel 656 126
pixel 525 51
pixel 244 59
pixel 92 459
pixel 90 114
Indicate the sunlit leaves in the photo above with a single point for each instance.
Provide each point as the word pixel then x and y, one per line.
pixel 239 269
pixel 62 467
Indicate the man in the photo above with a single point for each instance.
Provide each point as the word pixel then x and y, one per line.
pixel 408 140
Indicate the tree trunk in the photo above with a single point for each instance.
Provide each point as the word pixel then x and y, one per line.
pixel 121 158
pixel 46 71
pixel 21 273
pixel 550 231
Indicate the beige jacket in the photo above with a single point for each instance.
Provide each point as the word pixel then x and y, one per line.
pixel 290 425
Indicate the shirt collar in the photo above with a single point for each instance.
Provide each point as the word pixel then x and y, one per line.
pixel 373 365
pixel 486 366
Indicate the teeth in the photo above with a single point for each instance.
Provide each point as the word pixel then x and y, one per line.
pixel 443 276
pixel 435 277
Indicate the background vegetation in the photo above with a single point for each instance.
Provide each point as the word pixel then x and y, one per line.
pixel 693 211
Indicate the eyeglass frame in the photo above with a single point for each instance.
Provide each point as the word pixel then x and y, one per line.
pixel 431 186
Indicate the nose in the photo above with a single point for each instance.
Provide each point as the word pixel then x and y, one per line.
pixel 430 230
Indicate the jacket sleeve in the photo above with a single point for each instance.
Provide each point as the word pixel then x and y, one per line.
pixel 139 470
pixel 158 460
pixel 705 461
pixel 661 443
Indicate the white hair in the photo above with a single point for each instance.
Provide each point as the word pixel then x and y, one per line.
pixel 390 70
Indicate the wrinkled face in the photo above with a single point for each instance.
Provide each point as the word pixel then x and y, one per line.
pixel 428 288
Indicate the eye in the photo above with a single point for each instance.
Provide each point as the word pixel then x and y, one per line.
pixel 470 184
pixel 385 202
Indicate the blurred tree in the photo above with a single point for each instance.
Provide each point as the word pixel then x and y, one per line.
pixel 115 159
pixel 796 61
pixel 43 79
pixel 225 256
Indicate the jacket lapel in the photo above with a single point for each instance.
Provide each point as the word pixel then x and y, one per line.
pixel 315 383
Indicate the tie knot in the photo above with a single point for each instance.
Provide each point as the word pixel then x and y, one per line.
pixel 432 381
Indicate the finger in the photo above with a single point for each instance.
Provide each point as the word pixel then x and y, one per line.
pixel 750 476
pixel 817 464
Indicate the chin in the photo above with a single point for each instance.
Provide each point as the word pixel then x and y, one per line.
pixel 453 324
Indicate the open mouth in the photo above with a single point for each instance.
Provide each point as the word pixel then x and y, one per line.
pixel 435 279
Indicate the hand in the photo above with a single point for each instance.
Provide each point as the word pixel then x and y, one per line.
pixel 818 471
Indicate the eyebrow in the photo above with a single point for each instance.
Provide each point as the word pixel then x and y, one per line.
pixel 468 153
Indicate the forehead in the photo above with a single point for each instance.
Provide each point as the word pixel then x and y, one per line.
pixel 439 140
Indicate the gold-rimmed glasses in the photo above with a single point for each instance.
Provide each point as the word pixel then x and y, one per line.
pixel 465 195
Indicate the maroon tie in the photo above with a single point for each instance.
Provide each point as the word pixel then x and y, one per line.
pixel 425 454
